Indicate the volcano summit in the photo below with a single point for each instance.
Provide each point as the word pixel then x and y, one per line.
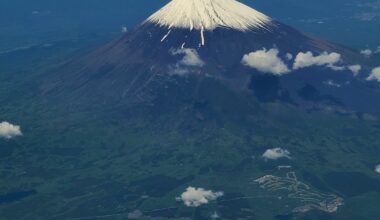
pixel 208 15
pixel 215 38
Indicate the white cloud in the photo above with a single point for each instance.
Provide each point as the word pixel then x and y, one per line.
pixel 289 56
pixel 276 153
pixel 124 29
pixel 375 74
pixel 366 52
pixel 215 216
pixel 266 61
pixel 337 68
pixel 8 130
pixel 377 168
pixel 377 49
pixel 284 167
pixel 189 61
pixel 355 69
pixel 194 197
pixel 331 83
pixel 307 59
pixel 178 70
pixel 191 57
pixel 137 214
pixel 369 52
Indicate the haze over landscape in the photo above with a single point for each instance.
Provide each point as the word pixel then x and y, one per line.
pixel 190 109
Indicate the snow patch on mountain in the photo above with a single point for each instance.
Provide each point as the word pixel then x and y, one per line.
pixel 208 15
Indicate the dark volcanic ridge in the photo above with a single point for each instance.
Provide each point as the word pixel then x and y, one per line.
pixel 142 62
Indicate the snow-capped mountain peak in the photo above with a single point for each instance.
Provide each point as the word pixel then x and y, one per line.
pixel 208 15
